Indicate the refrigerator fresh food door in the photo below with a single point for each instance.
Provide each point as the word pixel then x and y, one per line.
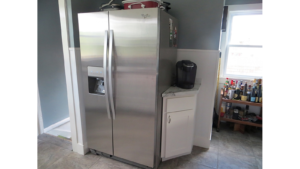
pixel 94 35
pixel 134 78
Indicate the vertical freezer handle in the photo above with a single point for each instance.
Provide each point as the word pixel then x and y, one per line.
pixel 105 72
pixel 110 75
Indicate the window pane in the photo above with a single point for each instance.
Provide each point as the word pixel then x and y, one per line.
pixel 244 61
pixel 246 30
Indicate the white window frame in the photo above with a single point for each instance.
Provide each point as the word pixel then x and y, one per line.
pixel 231 14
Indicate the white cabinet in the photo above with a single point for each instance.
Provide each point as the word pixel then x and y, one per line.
pixel 178 122
pixel 179 132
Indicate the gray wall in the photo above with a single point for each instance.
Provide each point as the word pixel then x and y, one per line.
pixel 51 75
pixel 199 21
pixel 239 2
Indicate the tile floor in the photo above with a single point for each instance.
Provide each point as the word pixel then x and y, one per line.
pixel 228 149
pixel 62 130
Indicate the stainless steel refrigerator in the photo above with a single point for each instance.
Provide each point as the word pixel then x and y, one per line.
pixel 128 60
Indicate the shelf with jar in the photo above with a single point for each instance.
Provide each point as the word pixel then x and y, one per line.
pixel 237 92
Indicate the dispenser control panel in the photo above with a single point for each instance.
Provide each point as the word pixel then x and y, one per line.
pixel 95 71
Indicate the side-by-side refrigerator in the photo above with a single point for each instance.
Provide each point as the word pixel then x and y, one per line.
pixel 128 60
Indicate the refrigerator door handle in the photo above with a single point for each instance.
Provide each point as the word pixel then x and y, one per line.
pixel 105 72
pixel 110 74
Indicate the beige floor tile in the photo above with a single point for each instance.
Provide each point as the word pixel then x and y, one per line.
pixel 169 164
pixel 191 165
pixel 75 161
pixel 49 153
pixel 230 160
pixel 207 157
pixel 66 144
pixel 237 145
pixel 257 150
pixel 259 162
pixel 106 163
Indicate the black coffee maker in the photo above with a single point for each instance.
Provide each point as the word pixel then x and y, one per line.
pixel 185 74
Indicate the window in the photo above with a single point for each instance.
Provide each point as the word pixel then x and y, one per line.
pixel 244 45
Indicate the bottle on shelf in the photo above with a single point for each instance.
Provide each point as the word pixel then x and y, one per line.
pixel 258 82
pixel 222 91
pixel 259 95
pixel 246 111
pixel 227 81
pixel 241 88
pixel 227 110
pixel 252 99
pixel 244 96
pixel 262 95
pixel 249 93
pixel 223 107
pixel 237 91
pixel 256 94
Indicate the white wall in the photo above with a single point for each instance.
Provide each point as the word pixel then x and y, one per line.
pixel 207 67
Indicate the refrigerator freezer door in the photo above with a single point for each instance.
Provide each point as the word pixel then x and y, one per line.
pixel 92 27
pixel 135 58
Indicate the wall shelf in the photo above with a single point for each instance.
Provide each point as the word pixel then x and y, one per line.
pixel 238 123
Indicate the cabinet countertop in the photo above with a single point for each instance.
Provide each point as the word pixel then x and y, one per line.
pixel 176 91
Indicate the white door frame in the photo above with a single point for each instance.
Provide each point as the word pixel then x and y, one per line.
pixel 40 116
pixel 78 142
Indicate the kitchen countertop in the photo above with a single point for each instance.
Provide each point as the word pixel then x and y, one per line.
pixel 176 91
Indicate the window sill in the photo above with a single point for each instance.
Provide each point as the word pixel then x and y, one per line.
pixel 246 79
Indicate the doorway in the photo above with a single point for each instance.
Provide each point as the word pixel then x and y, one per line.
pixel 52 88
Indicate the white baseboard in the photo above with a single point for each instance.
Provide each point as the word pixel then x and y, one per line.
pixel 56 124
pixel 165 159
pixel 80 149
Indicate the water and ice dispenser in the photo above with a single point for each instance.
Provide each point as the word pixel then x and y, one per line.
pixel 96 80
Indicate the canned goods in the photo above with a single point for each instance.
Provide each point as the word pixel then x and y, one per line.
pixel 231 94
pixel 244 98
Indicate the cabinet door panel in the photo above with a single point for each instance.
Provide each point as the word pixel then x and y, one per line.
pixel 179 132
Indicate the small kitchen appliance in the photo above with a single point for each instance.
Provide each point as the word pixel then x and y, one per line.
pixel 185 74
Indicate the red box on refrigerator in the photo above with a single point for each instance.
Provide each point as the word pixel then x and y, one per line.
pixel 140 4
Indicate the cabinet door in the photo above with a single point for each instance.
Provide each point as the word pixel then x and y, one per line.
pixel 179 132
